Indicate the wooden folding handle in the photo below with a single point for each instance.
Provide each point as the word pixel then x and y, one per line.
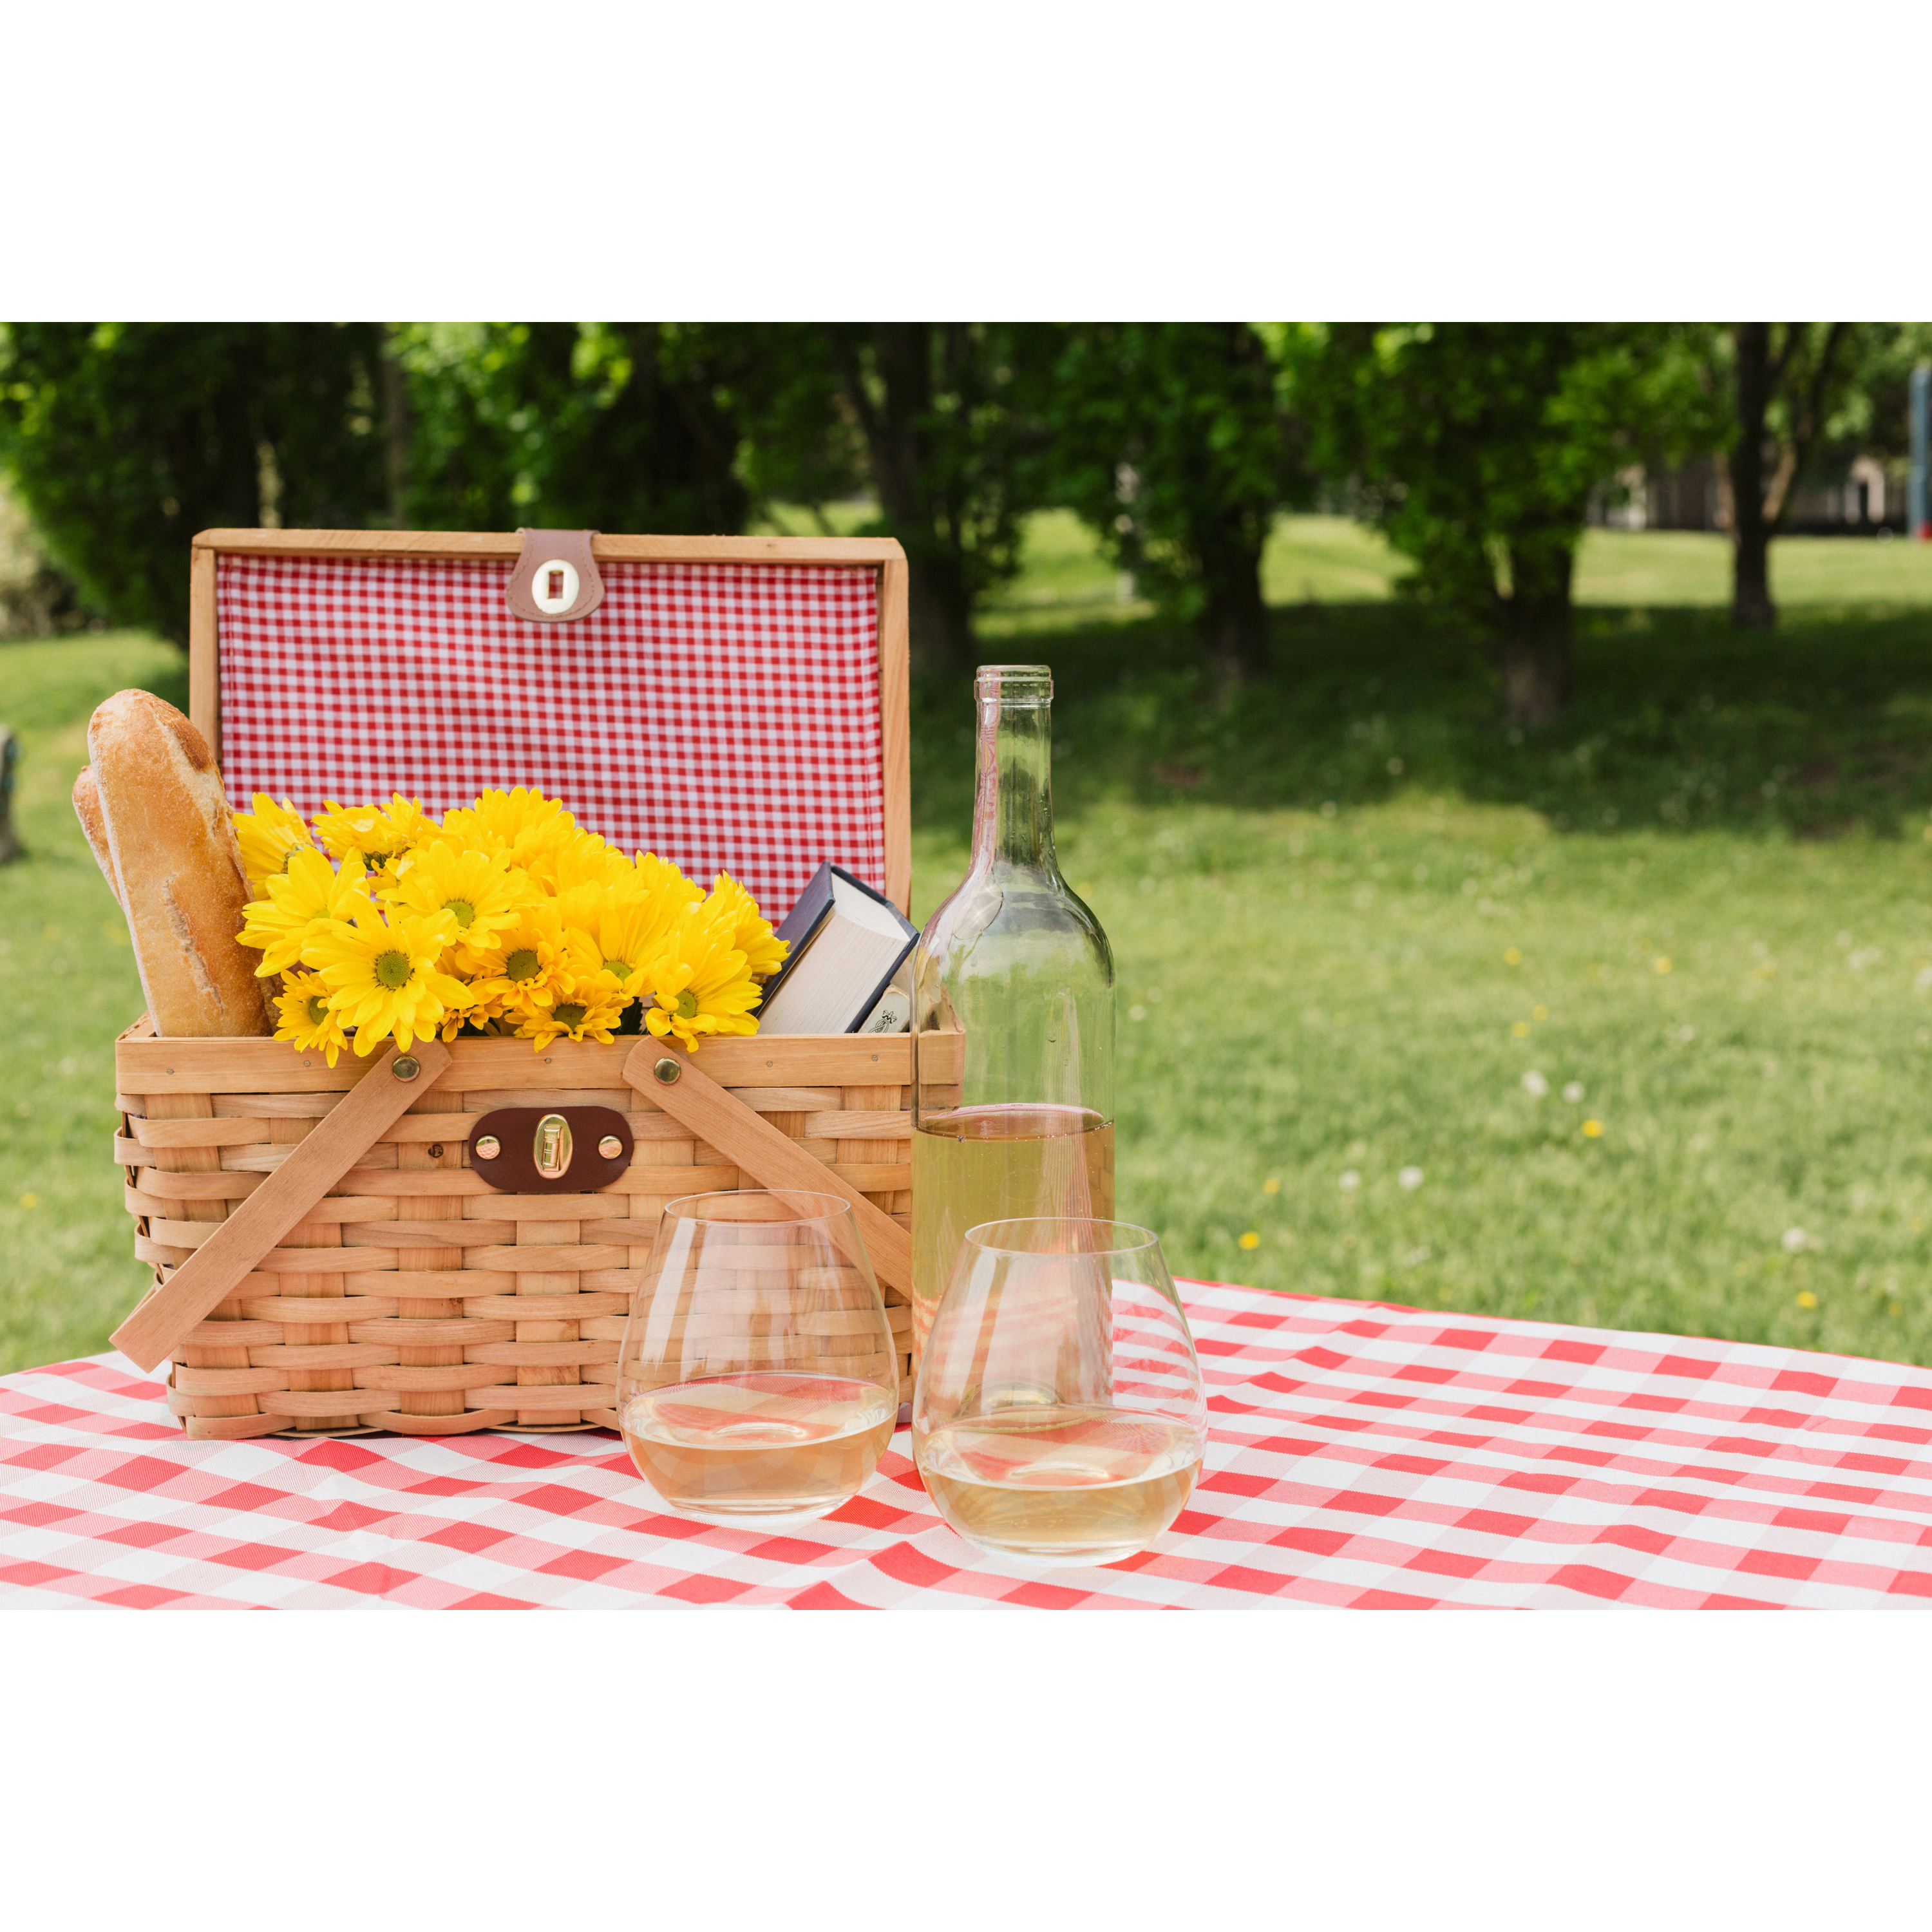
pixel 715 1117
pixel 216 1269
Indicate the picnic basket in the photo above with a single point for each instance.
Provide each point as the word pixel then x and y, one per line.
pixel 328 1258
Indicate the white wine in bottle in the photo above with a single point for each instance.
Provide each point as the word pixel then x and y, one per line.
pixel 975 1164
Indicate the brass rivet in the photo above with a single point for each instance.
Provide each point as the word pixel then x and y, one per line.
pixel 488 1147
pixel 610 1147
pixel 405 1066
pixel 666 1070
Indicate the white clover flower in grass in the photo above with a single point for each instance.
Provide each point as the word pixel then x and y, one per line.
pixel 1351 1180
pixel 1534 1085
pixel 1409 1179
pixel 1796 1240
pixel 1573 1091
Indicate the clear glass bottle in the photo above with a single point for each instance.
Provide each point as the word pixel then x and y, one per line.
pixel 1012 1012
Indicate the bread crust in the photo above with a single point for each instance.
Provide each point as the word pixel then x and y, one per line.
pixel 173 849
pixel 87 809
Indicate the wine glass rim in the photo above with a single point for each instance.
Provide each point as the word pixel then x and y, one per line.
pixel 988 1235
pixel 691 1207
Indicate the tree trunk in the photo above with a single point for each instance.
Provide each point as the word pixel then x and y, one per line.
pixel 941 614
pixel 1234 624
pixel 1534 655
pixel 398 426
pixel 10 847
pixel 940 617
pixel 1751 606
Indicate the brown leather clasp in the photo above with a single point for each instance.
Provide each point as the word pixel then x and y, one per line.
pixel 555 579
pixel 550 1149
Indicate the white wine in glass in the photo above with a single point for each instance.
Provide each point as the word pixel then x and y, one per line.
pixel 757 1380
pixel 1058 1417
pixel 1077 1485
pixel 747 1445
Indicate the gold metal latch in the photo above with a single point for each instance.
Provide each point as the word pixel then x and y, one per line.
pixel 550 1148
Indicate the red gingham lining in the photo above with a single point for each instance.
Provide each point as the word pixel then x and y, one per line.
pixel 1359 1455
pixel 725 716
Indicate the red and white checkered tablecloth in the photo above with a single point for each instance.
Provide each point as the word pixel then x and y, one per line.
pixel 1362 1455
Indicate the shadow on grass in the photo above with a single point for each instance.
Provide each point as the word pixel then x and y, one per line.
pixel 1821 729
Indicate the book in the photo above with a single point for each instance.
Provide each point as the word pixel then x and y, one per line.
pixel 848 943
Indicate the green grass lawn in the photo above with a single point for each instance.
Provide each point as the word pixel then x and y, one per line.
pixel 1353 913
pixel 67 986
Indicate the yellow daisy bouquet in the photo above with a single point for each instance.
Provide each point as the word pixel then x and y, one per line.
pixel 508 918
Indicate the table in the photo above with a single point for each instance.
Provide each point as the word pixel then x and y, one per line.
pixel 1362 1455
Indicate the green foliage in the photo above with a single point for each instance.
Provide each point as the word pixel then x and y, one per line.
pixel 1860 405
pixel 1871 414
pixel 1476 445
pixel 1166 438
pixel 803 444
pixel 124 439
pixel 946 413
pixel 614 426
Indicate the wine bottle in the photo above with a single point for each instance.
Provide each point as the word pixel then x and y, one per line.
pixel 1012 1012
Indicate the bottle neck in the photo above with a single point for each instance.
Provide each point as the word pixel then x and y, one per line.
pixel 1012 809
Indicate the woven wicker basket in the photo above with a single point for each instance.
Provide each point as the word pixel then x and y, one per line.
pixel 329 1259
pixel 415 1296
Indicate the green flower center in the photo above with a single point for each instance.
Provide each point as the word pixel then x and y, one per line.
pixel 618 969
pixel 687 1005
pixel 392 970
pixel 465 912
pixel 570 1013
pixel 522 965
pixel 373 862
pixel 318 1009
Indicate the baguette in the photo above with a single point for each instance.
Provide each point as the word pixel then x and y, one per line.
pixel 173 847
pixel 87 809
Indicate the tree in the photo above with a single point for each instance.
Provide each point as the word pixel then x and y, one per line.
pixel 1787 378
pixel 613 426
pixel 1166 439
pixel 942 410
pixel 123 438
pixel 1475 447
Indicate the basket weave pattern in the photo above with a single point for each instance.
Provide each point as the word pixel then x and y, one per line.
pixel 416 1298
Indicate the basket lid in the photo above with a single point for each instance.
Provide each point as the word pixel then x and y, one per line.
pixel 733 704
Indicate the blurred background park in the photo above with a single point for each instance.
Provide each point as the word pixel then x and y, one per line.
pixel 1502 754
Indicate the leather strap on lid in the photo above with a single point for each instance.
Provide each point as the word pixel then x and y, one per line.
pixel 555 580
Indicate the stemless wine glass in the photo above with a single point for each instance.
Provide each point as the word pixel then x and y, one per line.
pixel 756 1382
pixel 1058 1417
